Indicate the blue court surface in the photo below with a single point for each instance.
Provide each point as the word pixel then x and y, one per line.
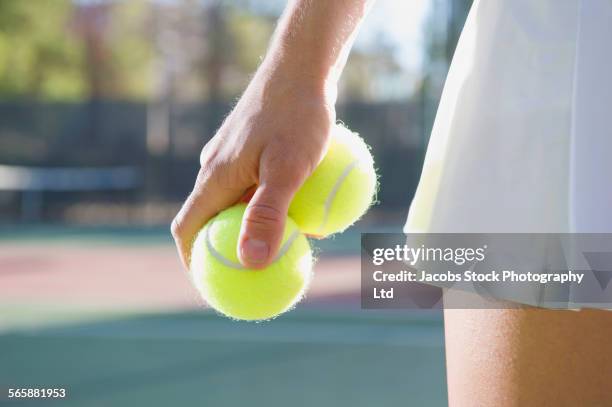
pixel 308 357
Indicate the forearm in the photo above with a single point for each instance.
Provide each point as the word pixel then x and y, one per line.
pixel 277 132
pixel 314 37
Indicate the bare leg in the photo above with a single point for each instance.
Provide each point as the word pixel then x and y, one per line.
pixel 528 357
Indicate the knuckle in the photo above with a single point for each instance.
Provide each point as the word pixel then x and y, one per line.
pixel 205 174
pixel 217 181
pixel 176 228
pixel 225 174
pixel 209 176
pixel 209 153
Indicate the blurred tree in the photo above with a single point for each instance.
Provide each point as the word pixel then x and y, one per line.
pixel 58 50
pixel 131 49
pixel 220 49
pixel 250 33
pixel 118 50
pixel 213 46
pixel 38 56
pixel 188 50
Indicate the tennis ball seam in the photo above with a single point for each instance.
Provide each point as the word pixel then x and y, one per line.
pixel 334 191
pixel 229 263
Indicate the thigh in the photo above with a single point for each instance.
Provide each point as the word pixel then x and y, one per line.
pixel 529 357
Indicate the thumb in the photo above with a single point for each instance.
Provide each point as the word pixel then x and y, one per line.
pixel 263 224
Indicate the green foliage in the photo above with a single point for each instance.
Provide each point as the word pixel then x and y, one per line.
pixel 63 50
pixel 49 51
pixel 131 50
pixel 251 35
pixel 38 56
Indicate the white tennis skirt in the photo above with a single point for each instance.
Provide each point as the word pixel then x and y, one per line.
pixel 522 140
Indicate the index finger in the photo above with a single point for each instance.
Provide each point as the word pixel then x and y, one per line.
pixel 207 199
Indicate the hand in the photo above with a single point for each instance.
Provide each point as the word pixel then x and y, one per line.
pixel 269 144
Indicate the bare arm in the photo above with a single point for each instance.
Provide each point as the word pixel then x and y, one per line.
pixel 315 37
pixel 277 133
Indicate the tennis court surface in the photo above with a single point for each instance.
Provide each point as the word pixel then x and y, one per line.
pixel 109 316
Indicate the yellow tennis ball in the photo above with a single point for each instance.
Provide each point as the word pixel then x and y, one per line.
pixel 341 188
pixel 242 293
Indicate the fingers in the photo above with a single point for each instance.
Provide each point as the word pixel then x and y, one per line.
pixel 264 219
pixel 210 195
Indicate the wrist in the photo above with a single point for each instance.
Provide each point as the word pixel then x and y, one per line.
pixel 313 80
